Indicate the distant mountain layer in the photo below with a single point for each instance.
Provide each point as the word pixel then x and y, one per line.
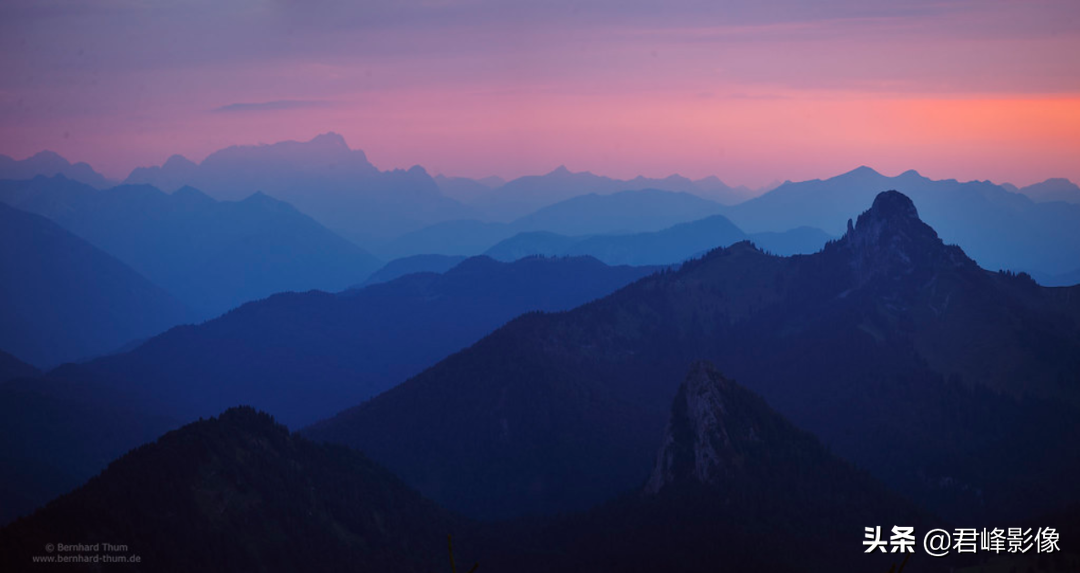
pixel 49 164
pixel 464 189
pixel 524 195
pixel 414 264
pixel 238 492
pixel 669 246
pixel 1064 279
pixel 997 228
pixel 62 299
pixel 1053 190
pixel 625 212
pixel 323 178
pixel 212 255
pixel 303 356
pixel 898 351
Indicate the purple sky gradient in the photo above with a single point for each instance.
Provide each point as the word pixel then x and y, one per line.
pixel 749 91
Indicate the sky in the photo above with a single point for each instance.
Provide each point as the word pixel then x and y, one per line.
pixel 749 91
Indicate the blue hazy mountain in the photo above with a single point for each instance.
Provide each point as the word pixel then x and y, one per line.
pixel 212 255
pixel 302 356
pixel 467 190
pixel 525 195
pixel 894 348
pixel 466 237
pixel 1064 279
pixel 414 264
pixel 669 246
pixel 532 244
pixel 797 241
pixel 323 178
pixel 592 214
pixel 1057 189
pixel 638 210
pixel 997 228
pixel 63 299
pixel 49 164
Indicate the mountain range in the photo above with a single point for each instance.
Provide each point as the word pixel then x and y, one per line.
pixel 301 356
pixel 48 163
pixel 1054 189
pixel 524 195
pixel 894 348
pixel 212 255
pixel 465 189
pixel 62 299
pixel 323 178
pixel 669 246
pixel 635 211
pixel 401 213
pixel 999 229
pixel 731 479
pixel 411 265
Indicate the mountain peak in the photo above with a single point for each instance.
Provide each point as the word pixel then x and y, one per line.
pixel 862 170
pixel 889 239
pixel 560 170
pixel 178 161
pixel 329 140
pixel 192 196
pixel 893 205
pixel 49 156
pixel 709 424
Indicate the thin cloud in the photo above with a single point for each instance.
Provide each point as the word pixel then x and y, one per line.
pixel 278 105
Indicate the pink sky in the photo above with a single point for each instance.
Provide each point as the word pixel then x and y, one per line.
pixel 791 90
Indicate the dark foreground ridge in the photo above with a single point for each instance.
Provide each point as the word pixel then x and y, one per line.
pixel 240 493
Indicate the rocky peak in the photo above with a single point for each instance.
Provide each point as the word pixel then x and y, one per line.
pixel 708 428
pixel 890 239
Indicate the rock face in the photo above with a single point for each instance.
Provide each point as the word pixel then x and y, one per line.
pixel 701 442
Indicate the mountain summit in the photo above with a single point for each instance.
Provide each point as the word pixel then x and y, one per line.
pixel 890 239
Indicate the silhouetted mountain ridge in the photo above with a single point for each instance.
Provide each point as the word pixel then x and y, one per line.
pixel 302 355
pixel 324 179
pixel 48 164
pixel 213 255
pixel 892 347
pixel 62 299
pixel 239 492
pixel 998 228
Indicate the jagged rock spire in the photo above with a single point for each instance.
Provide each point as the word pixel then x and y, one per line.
pixel 704 435
pixel 890 240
